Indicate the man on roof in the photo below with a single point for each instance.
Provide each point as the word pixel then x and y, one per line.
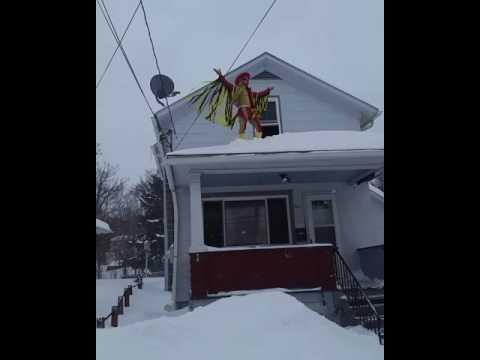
pixel 220 97
pixel 245 100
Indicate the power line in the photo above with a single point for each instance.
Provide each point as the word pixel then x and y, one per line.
pixel 233 63
pixel 118 46
pixel 251 36
pixel 157 64
pixel 109 22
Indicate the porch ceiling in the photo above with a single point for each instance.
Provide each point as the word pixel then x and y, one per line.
pixel 273 178
pixel 265 169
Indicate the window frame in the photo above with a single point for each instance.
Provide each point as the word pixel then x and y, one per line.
pixel 276 100
pixel 267 216
pixel 307 200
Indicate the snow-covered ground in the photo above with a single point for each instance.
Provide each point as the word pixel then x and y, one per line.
pixel 145 304
pixel 368 283
pixel 268 325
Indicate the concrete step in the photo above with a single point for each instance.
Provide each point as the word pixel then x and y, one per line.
pixel 373 324
pixel 365 309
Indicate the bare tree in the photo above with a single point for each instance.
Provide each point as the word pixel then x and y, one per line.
pixel 109 189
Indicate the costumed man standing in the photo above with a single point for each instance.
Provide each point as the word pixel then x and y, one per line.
pixel 244 99
pixel 220 97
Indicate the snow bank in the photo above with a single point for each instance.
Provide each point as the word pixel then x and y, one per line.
pixel 261 326
pixel 295 142
pixel 102 227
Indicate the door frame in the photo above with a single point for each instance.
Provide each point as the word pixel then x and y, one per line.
pixel 307 205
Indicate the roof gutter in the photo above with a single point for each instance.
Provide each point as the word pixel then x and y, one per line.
pixel 269 157
pixel 369 123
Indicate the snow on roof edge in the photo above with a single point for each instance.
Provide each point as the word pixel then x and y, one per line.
pixel 103 227
pixel 376 191
pixel 293 142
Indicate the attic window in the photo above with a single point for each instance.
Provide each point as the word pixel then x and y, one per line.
pixel 266 75
pixel 270 119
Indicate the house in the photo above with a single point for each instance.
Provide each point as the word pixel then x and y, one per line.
pixel 292 210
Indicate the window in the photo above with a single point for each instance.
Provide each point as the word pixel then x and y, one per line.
pixel 246 221
pixel 213 229
pixel 323 222
pixel 270 119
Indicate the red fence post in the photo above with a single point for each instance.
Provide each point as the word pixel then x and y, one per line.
pixel 126 295
pixel 114 322
pixel 120 305
pixel 100 323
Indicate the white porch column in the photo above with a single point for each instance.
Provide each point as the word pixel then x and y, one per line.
pixel 196 214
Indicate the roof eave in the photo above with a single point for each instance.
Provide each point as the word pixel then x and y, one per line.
pixel 268 157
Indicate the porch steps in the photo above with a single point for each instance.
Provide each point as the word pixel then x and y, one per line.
pixel 354 312
pixel 377 297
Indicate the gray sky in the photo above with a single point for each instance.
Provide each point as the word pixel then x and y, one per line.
pixel 339 41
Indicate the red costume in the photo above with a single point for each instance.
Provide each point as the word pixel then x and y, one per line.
pixel 244 99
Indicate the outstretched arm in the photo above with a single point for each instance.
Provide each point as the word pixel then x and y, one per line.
pixel 264 92
pixel 224 81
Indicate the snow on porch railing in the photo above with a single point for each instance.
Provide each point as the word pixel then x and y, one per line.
pixel 357 298
pixel 117 310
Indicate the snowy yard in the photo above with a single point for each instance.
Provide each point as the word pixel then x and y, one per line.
pixel 269 325
pixel 145 304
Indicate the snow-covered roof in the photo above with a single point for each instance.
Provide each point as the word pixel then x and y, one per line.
pixel 293 142
pixel 103 227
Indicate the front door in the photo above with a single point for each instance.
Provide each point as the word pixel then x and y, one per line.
pixel 321 220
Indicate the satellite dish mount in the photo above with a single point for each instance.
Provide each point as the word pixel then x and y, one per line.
pixel 162 87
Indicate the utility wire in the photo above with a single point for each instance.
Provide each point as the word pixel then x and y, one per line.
pixel 233 63
pixel 251 36
pixel 118 46
pixel 111 26
pixel 157 64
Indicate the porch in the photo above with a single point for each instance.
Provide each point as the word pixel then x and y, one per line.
pixel 298 267
pixel 271 220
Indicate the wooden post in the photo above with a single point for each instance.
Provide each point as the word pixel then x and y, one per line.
pixel 120 305
pixel 114 318
pixel 126 294
pixel 100 323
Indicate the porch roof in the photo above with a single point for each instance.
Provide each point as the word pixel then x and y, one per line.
pixel 288 143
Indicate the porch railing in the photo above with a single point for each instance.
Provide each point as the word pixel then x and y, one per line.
pixel 361 305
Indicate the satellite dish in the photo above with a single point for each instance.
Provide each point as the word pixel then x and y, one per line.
pixel 162 87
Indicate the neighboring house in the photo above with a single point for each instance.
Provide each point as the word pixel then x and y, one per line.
pixel 269 213
pixel 101 245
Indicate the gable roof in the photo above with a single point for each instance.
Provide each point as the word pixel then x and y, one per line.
pixel 266 75
pixel 270 64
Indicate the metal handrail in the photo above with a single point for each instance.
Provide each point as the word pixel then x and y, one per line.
pixel 356 296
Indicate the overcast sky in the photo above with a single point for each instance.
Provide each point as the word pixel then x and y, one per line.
pixel 339 41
